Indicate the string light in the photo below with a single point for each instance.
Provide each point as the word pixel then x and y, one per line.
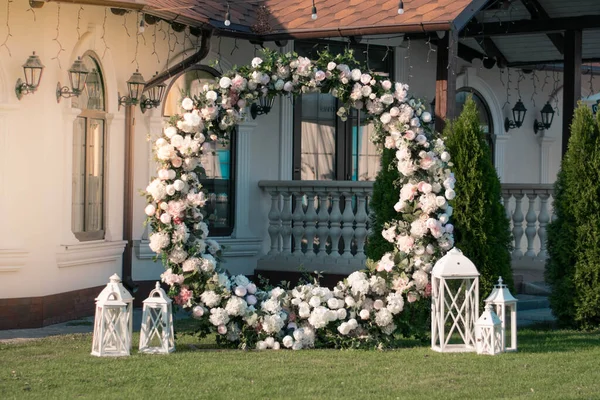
pixel 142 26
pixel 227 16
pixel 8 34
pixel 401 7
pixel 60 47
pixel 154 52
pixel 104 33
pixel 78 21
pixel 314 11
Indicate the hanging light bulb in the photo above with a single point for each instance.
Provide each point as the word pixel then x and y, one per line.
pixel 142 26
pixel 227 17
pixel 401 7
pixel 314 11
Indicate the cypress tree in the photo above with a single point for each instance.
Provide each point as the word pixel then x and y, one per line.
pixel 573 266
pixel 481 228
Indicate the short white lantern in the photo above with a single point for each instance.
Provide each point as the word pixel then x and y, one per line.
pixel 505 303
pixel 115 286
pixel 156 335
pixel 455 303
pixel 488 333
pixel 110 327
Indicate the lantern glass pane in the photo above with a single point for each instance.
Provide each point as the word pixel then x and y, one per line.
pixel 135 90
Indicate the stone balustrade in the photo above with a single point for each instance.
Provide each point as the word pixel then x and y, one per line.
pixel 324 224
pixel 529 210
pixel 317 225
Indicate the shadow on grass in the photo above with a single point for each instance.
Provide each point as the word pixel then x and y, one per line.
pixel 543 339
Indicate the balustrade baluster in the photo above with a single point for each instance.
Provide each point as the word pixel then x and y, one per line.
pixel 543 218
pixel 361 223
pixel 335 218
pixel 517 219
pixel 286 224
pixel 347 229
pixel 298 228
pixel 323 229
pixel 274 222
pixel 506 195
pixel 310 220
pixel 531 229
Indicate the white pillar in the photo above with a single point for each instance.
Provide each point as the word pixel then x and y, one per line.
pixel 242 180
pixel 286 129
pixel 545 145
pixel 500 144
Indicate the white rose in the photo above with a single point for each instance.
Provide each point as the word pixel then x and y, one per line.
pixel 150 210
pixel 211 95
pixel 240 291
pixel 256 61
pixel 445 156
pixel 356 74
pixel 225 82
pixel 165 218
pixel 179 185
pixel 251 300
pixel 426 117
pixel 364 314
pixel 288 341
pixel 187 104
pixel 331 66
pixel 251 288
pixel 170 190
pixel 170 131
pixel 450 194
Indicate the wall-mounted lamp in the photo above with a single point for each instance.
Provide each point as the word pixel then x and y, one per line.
pixel 77 77
pixel 547 117
pixel 518 111
pixel 32 70
pixel 263 107
pixel 155 96
pixel 135 86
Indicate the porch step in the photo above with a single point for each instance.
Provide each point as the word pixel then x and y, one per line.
pixel 532 302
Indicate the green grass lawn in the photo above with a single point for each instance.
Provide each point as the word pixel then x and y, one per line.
pixel 549 364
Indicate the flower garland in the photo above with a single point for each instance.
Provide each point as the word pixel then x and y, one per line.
pixel 363 308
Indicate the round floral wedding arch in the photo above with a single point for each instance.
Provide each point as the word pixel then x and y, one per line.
pixel 361 309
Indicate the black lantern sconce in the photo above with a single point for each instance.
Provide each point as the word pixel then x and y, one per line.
pixel 32 69
pixel 77 77
pixel 264 106
pixel 518 111
pixel 547 117
pixel 135 86
pixel 155 96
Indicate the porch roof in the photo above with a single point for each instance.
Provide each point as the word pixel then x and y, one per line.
pixel 291 19
pixel 529 33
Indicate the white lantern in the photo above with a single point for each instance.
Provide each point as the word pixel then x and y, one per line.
pixel 488 333
pixel 110 327
pixel 115 286
pixel 156 335
pixel 505 304
pixel 455 303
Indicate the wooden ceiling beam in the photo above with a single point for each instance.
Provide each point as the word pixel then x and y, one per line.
pixel 537 12
pixel 492 51
pixel 527 26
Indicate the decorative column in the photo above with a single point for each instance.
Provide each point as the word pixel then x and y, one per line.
pixel 500 144
pixel 242 180
pixel 545 146
pixel 518 219
pixel 571 81
pixel 286 128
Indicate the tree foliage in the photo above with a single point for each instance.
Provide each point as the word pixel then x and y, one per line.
pixel 481 226
pixel 573 266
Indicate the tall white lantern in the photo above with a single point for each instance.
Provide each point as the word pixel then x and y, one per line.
pixel 156 335
pixel 455 303
pixel 488 333
pixel 505 304
pixel 115 286
pixel 110 327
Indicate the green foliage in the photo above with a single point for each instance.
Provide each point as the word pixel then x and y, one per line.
pixel 573 266
pixel 481 227
pixel 385 195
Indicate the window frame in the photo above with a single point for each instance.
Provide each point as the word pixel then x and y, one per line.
pixel 343 129
pixel 490 136
pixel 88 115
pixel 215 231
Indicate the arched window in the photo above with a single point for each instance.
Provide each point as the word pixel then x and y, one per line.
pixel 89 139
pixel 485 117
pixel 218 158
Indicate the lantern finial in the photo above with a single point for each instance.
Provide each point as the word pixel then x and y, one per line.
pixel 115 278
